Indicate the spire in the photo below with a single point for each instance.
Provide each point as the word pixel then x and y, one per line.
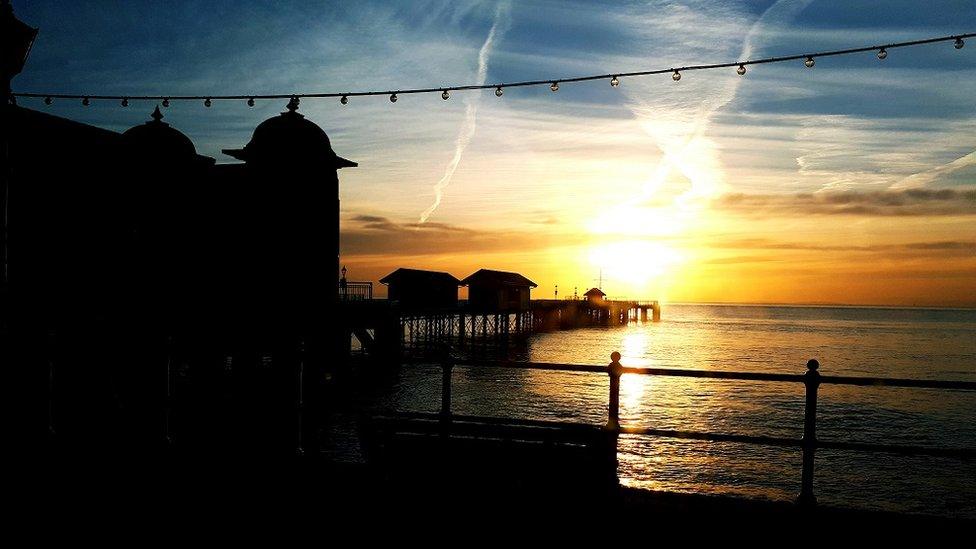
pixel 156 115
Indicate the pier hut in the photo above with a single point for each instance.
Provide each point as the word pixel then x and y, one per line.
pixel 420 289
pixel 498 291
pixel 594 295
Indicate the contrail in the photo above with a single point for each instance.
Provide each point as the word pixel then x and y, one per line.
pixel 777 15
pixel 498 28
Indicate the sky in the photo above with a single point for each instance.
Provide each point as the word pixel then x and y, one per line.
pixel 851 182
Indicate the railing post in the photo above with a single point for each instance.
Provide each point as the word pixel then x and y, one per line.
pixel 811 380
pixel 614 369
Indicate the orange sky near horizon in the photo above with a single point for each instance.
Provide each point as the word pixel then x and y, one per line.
pixel 727 255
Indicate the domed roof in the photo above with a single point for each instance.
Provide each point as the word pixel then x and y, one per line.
pixel 160 139
pixel 289 137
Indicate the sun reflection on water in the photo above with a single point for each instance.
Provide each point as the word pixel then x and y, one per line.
pixel 633 353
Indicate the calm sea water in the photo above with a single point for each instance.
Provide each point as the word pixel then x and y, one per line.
pixel 913 343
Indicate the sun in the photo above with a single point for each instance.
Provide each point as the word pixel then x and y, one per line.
pixel 635 266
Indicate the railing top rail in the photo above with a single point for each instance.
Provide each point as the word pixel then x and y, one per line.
pixel 900 382
pixel 721 374
pixel 714 374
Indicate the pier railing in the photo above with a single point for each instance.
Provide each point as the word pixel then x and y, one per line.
pixel 355 291
pixel 811 380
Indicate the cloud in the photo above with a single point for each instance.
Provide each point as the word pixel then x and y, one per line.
pixel 837 152
pixel 374 223
pixel 943 245
pixel 375 235
pixel 934 174
pixel 952 248
pixel 910 202
pixel 471 101
pixel 739 259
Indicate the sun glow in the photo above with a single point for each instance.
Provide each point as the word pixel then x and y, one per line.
pixel 635 263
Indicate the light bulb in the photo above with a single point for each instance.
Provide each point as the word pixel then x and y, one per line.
pixel 165 102
pixel 344 99
pixel 676 76
pixel 958 44
pixel 615 81
pixel 554 86
pixel 498 91
pixel 741 70
pixel 125 102
pixel 48 101
pixel 445 95
pixel 250 101
pixel 207 103
pixel 809 62
pixel 393 98
pixel 86 102
pixel 882 53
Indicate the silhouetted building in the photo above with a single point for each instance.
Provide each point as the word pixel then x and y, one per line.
pixel 284 263
pixel 132 257
pixel 498 290
pixel 292 169
pixel 419 289
pixel 594 294
pixel 168 302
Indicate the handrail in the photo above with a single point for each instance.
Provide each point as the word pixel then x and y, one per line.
pixel 721 374
pixel 811 381
pixel 355 290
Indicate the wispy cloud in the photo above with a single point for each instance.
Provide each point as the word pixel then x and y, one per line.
pixel 952 247
pixel 377 235
pixel 935 174
pixel 911 202
pixel 471 101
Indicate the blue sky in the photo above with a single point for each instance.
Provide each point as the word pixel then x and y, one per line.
pixel 540 163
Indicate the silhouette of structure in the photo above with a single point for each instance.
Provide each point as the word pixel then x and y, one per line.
pixel 499 311
pixel 498 291
pixel 594 295
pixel 174 303
pixel 418 289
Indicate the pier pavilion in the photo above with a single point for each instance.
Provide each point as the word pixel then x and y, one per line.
pixel 172 301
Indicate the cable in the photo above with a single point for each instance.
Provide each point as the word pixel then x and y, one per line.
pixel 553 84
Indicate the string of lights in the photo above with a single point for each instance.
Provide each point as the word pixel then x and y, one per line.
pixel 809 60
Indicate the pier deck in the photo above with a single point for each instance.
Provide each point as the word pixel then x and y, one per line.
pixel 387 329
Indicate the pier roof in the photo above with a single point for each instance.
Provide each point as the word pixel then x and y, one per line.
pixel 497 278
pixel 419 276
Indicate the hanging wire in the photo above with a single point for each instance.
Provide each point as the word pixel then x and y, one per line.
pixel 808 58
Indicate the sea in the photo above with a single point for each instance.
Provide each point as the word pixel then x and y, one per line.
pixel 847 341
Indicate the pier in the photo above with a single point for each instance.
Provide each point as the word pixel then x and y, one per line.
pixel 388 328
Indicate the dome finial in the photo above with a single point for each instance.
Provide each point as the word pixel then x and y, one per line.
pixel 293 104
pixel 156 115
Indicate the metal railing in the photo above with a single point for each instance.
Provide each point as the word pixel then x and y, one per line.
pixel 811 380
pixel 355 291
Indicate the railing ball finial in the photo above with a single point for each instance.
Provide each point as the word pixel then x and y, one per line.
pixel 813 365
pixel 615 356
